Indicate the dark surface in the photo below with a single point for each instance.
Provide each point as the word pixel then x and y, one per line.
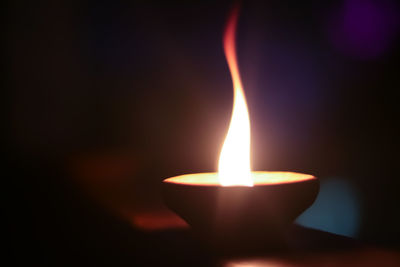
pixel 56 224
pixel 308 247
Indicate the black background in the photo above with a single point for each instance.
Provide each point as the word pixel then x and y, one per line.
pixel 144 92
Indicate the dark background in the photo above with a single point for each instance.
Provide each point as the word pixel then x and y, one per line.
pixel 107 99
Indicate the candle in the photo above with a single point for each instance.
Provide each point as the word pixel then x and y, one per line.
pixel 240 218
pixel 236 207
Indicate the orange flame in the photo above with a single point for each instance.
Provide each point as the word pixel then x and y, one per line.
pixel 234 162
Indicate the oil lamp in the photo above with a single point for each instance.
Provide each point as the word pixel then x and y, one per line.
pixel 236 208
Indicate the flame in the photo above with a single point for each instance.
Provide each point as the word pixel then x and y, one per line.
pixel 234 160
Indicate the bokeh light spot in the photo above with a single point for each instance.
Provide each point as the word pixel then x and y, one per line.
pixel 336 209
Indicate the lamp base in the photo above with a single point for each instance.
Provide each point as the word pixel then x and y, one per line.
pixel 241 218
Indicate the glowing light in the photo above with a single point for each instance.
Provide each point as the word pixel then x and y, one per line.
pixel 257 177
pixel 234 162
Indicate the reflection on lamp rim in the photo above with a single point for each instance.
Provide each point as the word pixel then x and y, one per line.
pixel 259 178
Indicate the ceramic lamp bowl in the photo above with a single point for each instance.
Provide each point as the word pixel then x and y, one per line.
pixel 236 217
